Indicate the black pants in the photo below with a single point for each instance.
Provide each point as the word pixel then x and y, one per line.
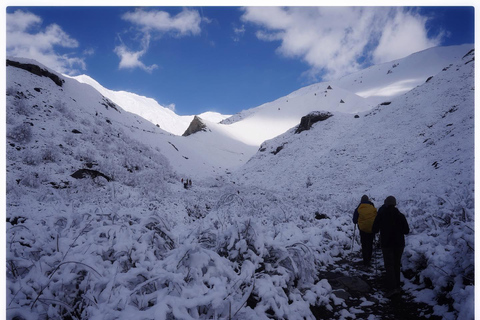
pixel 367 246
pixel 392 257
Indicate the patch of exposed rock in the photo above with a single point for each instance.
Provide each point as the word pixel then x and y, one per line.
pixel 33 68
pixel 195 126
pixel 307 121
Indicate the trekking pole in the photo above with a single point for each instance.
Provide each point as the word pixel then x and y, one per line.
pixel 353 239
pixel 376 257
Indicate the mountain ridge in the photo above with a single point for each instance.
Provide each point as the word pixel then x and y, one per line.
pixel 397 77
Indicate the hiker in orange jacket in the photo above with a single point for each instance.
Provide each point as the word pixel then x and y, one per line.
pixel 364 216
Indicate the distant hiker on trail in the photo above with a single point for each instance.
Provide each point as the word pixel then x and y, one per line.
pixel 364 216
pixel 392 225
pixel 187 183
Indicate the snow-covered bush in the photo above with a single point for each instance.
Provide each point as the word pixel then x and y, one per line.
pixel 21 133
pixel 439 254
pixel 31 178
pixel 62 107
pixel 22 108
pixel 11 91
pixel 109 264
pixel 31 157
pixel 50 153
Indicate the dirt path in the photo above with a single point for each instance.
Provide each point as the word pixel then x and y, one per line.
pixel 362 297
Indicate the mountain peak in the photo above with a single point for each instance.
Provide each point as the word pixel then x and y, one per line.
pixel 195 126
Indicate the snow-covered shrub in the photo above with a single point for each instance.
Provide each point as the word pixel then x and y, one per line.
pixel 62 107
pixel 31 157
pixel 11 91
pixel 439 253
pixel 31 179
pixel 50 153
pixel 21 133
pixel 71 140
pixel 22 108
pixel 242 241
pixel 55 284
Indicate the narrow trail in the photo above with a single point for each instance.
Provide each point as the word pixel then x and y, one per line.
pixel 361 295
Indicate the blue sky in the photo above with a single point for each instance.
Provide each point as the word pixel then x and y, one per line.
pixel 225 59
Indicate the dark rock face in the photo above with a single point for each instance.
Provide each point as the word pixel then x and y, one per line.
pixel 307 121
pixel 195 126
pixel 278 149
pixel 320 216
pixel 36 70
pixel 88 173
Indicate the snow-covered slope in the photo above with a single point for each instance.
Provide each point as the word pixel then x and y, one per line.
pixel 148 108
pixel 382 82
pixel 354 93
pixel 418 129
pixel 86 109
pixel 129 241
pixel 419 148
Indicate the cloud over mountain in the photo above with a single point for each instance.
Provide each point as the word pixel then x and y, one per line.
pixel 26 37
pixel 185 23
pixel 335 41
pixel 157 22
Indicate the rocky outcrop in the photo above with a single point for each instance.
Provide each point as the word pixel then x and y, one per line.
pixel 307 121
pixel 195 126
pixel 33 68
pixel 87 173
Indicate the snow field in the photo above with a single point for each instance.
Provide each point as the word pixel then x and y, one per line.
pixel 241 245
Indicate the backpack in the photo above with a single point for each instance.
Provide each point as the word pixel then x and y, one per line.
pixel 366 215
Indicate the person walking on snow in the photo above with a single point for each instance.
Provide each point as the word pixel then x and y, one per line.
pixel 364 216
pixel 393 227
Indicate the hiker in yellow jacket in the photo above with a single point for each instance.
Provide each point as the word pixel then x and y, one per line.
pixel 364 216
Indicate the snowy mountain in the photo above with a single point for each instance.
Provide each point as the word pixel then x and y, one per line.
pixel 354 93
pixel 101 223
pixel 358 92
pixel 148 108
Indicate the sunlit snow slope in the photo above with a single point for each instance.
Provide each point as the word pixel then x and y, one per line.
pixel 148 108
pixel 353 93
pixel 78 106
pixel 422 142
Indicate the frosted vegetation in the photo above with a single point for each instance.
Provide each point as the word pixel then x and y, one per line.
pixel 133 243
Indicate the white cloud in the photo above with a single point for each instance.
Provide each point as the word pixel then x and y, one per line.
pixel 238 33
pixel 26 39
pixel 185 23
pixel 131 59
pixel 150 22
pixel 21 21
pixel 402 35
pixel 336 41
pixel 89 52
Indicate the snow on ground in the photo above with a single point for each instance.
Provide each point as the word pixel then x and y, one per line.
pixel 242 242
pixel 419 149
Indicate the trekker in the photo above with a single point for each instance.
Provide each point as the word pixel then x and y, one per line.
pixel 364 216
pixel 392 225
